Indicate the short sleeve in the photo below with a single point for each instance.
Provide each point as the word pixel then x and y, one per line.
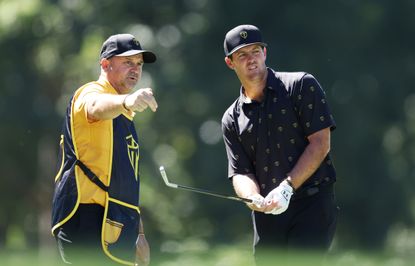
pixel 311 106
pixel 82 95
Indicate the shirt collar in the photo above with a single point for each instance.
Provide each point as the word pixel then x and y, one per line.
pixel 242 97
pixel 105 83
pixel 272 81
pixel 271 84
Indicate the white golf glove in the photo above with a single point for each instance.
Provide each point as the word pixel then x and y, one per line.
pixel 257 200
pixel 280 195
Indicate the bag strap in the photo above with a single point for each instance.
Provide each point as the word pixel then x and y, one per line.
pixel 93 177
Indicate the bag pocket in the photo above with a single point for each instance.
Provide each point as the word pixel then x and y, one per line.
pixel 112 231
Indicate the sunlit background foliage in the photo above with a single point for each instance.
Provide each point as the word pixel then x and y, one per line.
pixel 362 52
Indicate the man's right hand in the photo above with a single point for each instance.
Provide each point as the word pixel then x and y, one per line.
pixel 258 202
pixel 140 100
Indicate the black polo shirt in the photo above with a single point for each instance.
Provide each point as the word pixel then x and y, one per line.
pixel 267 138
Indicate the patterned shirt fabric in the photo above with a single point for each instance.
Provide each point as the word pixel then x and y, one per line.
pixel 267 138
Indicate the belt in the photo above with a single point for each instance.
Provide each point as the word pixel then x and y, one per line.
pixel 313 190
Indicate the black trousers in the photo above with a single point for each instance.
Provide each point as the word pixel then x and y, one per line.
pixel 79 239
pixel 308 225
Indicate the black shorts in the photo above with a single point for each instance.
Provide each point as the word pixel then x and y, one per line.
pixel 79 239
pixel 308 223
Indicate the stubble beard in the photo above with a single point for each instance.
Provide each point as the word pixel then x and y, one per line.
pixel 255 74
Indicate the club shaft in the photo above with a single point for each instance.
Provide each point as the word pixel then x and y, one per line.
pixel 201 191
pixel 206 192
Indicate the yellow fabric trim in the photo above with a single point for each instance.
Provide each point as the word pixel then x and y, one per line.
pixel 114 223
pixel 61 142
pixel 77 156
pixel 111 152
pixel 78 199
pixel 67 218
pixel 104 247
pixel 125 204
pixel 107 198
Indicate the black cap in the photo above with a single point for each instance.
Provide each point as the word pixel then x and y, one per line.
pixel 241 36
pixel 125 45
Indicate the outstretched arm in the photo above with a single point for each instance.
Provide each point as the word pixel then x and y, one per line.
pixel 108 106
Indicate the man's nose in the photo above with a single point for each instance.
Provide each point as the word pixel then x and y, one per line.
pixel 136 68
pixel 251 57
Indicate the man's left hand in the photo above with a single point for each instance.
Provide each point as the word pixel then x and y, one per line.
pixel 279 197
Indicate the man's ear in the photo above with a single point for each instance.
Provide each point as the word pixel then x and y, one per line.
pixel 265 52
pixel 105 63
pixel 229 62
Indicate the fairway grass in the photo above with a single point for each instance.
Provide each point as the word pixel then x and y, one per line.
pixel 224 255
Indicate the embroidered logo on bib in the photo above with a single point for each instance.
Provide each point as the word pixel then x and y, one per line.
pixel 133 154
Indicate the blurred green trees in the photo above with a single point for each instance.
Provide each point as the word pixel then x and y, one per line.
pixel 360 51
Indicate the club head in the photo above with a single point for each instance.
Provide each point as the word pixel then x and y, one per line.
pixel 166 180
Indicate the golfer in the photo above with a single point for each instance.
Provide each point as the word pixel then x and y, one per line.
pixel 277 138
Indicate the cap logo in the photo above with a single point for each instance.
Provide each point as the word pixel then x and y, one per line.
pixel 243 34
pixel 136 42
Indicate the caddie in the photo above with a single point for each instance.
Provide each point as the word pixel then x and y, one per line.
pixel 95 211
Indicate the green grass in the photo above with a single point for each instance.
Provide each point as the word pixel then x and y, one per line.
pixel 225 255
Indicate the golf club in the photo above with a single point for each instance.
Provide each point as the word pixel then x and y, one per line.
pixel 202 191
